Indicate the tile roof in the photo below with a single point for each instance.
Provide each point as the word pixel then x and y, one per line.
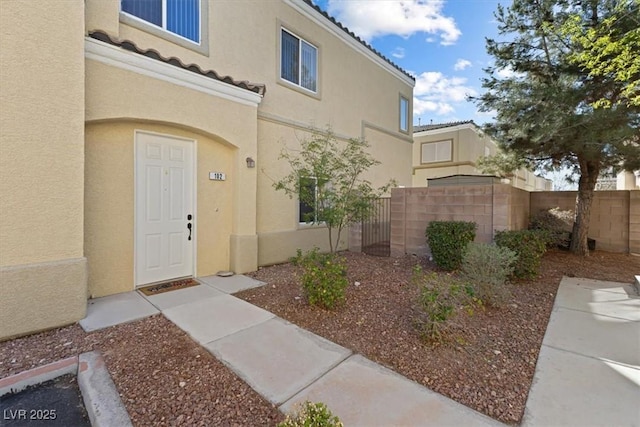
pixel 433 126
pixel 260 89
pixel 365 44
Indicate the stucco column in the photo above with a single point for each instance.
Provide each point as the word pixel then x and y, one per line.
pixel 244 240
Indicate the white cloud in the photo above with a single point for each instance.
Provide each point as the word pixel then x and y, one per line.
pixel 437 93
pixel 398 53
pixel 507 73
pixel 370 19
pixel 461 64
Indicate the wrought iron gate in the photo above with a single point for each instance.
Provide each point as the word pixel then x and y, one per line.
pixel 376 230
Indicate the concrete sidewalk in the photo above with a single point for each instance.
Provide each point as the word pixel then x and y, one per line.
pixel 588 370
pixel 287 364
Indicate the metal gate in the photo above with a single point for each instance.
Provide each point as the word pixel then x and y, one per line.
pixel 376 230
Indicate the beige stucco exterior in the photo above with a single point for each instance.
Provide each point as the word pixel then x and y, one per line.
pixel 72 106
pixel 358 96
pixel 42 265
pixel 468 144
pixel 627 180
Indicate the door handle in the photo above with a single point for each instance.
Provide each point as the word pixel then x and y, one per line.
pixel 189 227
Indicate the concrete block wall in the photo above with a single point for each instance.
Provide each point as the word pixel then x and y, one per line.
pixel 412 209
pixel 615 215
pixel 609 223
pixel 520 209
pixel 565 200
pixel 611 215
pixel 634 222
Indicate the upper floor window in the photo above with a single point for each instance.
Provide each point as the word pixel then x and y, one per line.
pixel 439 151
pixel 404 114
pixel 299 61
pixel 180 17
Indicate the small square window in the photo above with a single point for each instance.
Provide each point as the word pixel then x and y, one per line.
pixel 180 17
pixel 298 61
pixel 404 114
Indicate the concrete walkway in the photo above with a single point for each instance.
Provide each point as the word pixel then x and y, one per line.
pixel 588 372
pixel 284 363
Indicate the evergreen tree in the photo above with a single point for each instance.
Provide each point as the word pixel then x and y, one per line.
pixel 544 107
pixel 611 50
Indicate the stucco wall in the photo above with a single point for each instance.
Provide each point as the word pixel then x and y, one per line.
pixel 248 51
pixel 41 152
pixel 42 269
pixel 468 145
pixel 119 101
pixel 353 102
pixel 109 243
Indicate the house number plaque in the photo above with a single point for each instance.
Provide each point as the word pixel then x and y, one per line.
pixel 217 176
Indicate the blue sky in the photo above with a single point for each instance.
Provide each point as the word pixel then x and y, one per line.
pixel 442 43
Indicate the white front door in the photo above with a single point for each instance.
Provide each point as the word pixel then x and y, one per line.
pixel 164 217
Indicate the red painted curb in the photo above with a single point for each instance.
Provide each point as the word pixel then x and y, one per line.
pixel 36 375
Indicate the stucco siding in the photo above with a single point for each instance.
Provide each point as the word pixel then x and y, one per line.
pixel 109 242
pixel 42 269
pixel 41 151
pixel 41 296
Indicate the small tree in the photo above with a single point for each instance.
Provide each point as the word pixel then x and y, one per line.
pixel 327 176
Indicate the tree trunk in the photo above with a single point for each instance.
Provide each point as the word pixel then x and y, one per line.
pixel 588 176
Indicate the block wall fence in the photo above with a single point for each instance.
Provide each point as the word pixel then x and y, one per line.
pixel 615 215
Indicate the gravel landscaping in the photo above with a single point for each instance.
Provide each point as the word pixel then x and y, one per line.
pixel 489 360
pixel 165 378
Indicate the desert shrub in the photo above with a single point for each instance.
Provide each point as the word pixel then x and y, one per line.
pixel 487 267
pixel 554 224
pixel 530 245
pixel 311 415
pixel 324 278
pixel 441 298
pixel 448 240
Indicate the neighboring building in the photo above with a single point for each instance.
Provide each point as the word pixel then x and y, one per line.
pixel 128 156
pixel 448 149
pixel 628 180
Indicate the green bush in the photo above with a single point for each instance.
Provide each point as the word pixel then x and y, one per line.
pixel 487 268
pixel 441 297
pixel 555 225
pixel 324 280
pixel 448 240
pixel 311 415
pixel 530 245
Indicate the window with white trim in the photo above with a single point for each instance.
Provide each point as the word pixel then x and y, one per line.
pixel 180 17
pixel 439 151
pixel 404 114
pixel 298 61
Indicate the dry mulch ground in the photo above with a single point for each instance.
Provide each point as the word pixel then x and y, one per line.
pixel 488 361
pixel 163 377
